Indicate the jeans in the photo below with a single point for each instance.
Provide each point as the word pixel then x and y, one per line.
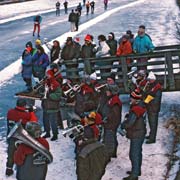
pixel 135 155
pixel 50 119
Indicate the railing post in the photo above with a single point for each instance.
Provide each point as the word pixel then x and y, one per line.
pixel 124 72
pixel 87 66
pixel 171 80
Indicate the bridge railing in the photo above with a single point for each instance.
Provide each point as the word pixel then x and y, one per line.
pixel 164 61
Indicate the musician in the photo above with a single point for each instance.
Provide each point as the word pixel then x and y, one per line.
pixel 31 164
pixel 110 109
pixel 18 114
pixel 86 99
pixel 153 105
pixel 92 157
pixel 135 126
pixel 50 105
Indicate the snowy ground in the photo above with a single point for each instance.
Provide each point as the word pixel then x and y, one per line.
pixel 154 159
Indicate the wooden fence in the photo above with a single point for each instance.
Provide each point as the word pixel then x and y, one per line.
pixel 164 61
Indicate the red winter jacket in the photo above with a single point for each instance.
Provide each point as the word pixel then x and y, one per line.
pixel 20 114
pixel 23 150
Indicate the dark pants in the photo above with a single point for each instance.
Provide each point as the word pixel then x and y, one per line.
pixel 153 124
pixel 10 151
pixel 110 141
pixel 135 155
pixel 57 12
pixel 28 82
pixel 50 119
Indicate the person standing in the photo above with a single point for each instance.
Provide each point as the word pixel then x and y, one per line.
pixel 50 105
pixel 73 19
pixel 153 103
pixel 58 8
pixel 77 20
pixel 142 44
pixel 92 4
pixel 112 43
pixel 92 158
pixel 70 52
pixel 65 7
pixel 125 48
pixel 27 68
pixel 135 126
pixel 40 63
pixel 105 4
pixel 18 114
pixel 110 108
pixel 54 50
pixel 87 7
pixel 79 8
pixel 30 163
pixel 37 21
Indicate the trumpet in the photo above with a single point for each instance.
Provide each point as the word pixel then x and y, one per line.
pixel 71 92
pixel 98 89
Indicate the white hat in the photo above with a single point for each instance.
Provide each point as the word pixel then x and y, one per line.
pixel 93 76
pixel 151 76
pixel 133 70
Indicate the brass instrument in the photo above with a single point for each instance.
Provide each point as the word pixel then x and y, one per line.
pixel 98 89
pixel 74 132
pixel 71 92
pixel 21 134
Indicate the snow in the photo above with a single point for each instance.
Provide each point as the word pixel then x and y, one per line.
pixel 63 166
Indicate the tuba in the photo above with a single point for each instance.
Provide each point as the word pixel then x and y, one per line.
pixel 21 134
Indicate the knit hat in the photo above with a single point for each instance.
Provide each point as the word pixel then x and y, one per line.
pixel 38 42
pixel 29 44
pixel 21 102
pixel 69 39
pixel 88 38
pixel 50 74
pixel 77 39
pixel 151 76
pixel 54 66
pixel 136 95
pixel 93 76
pixel 112 76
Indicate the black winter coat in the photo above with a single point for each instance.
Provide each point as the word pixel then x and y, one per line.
pixel 113 46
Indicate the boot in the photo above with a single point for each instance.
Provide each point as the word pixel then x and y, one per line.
pixel 9 171
pixel 130 172
pixel 150 141
pixel 131 177
pixel 47 135
pixel 33 33
pixel 54 137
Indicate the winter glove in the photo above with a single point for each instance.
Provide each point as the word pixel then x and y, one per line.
pixel 9 171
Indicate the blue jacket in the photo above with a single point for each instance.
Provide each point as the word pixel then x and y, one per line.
pixel 40 63
pixel 37 18
pixel 142 44
pixel 27 66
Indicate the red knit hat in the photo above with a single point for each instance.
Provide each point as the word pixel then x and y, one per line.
pixel 88 38
pixel 50 74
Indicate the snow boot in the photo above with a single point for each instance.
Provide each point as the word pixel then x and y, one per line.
pixel 47 135
pixel 9 171
pixel 130 172
pixel 131 177
pixel 54 137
